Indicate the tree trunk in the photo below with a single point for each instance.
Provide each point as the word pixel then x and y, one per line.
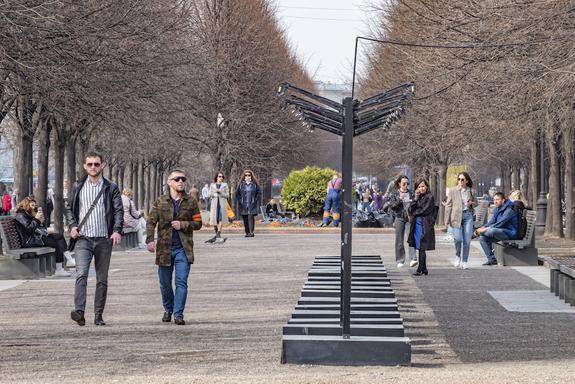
pixel 59 153
pixel 554 226
pixel 514 178
pixel 535 177
pixel 148 185
pixel 131 176
pixel 116 174
pixel 569 152
pixel 71 175
pixel 441 175
pixel 142 185
pixel 43 159
pixel 22 164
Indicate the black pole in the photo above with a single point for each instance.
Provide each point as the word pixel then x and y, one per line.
pixel 354 64
pixel 541 217
pixel 346 225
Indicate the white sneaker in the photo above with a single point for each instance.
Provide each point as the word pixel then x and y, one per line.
pixel 464 265
pixel 70 261
pixel 457 262
pixel 62 273
pixel 399 265
pixel 413 263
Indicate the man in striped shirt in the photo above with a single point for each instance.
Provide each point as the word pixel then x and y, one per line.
pixel 95 233
pixel 176 215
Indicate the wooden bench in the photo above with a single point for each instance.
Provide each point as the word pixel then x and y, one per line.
pixel 481 214
pixel 23 263
pixel 562 277
pixel 519 252
pixel 129 240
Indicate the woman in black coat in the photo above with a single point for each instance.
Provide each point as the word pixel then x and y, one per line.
pixel 32 233
pixel 422 222
pixel 248 196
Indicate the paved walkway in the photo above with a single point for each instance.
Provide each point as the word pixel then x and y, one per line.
pixel 242 293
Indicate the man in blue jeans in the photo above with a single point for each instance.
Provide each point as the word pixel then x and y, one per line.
pixel 503 225
pixel 176 216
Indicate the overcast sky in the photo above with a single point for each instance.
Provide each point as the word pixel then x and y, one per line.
pixel 323 34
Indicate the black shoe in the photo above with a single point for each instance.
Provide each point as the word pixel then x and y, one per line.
pixel 78 317
pixel 212 240
pixel 179 321
pixel 322 225
pixel 98 320
pixel 167 317
pixel 252 235
pixel 490 262
pixel 247 235
pixel 418 273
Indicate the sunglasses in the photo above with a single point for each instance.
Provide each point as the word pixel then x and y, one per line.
pixel 222 176
pixel 95 165
pixel 177 179
pixel 461 179
pixel 247 175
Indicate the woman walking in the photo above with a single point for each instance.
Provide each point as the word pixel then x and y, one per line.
pixel 219 194
pixel 422 218
pixel 399 200
pixel 461 201
pixel 248 196
pixel 32 233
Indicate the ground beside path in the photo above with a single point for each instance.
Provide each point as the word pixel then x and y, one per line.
pixel 242 293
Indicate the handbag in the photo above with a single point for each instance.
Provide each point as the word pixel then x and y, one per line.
pixel 72 242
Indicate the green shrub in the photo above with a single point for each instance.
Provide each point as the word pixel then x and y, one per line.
pixel 304 190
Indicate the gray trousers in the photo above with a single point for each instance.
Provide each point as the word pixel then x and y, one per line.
pixel 401 228
pixel 100 248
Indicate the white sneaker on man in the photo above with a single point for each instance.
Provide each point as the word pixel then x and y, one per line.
pixel 413 263
pixel 457 262
pixel 464 265
pixel 60 272
pixel 399 265
pixel 70 261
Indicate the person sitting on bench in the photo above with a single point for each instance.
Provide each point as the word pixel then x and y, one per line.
pixel 29 224
pixel 502 226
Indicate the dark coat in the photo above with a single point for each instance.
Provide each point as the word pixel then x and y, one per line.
pixel 423 207
pixel 28 229
pixel 248 198
pixel 161 216
pixel 112 203
pixel 396 205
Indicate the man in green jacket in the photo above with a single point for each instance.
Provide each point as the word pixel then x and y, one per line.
pixel 176 216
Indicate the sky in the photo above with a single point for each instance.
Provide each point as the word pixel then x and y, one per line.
pixel 323 34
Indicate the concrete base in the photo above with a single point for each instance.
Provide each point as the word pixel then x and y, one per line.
pixel 388 330
pixel 357 350
pixel 24 269
pixel 516 257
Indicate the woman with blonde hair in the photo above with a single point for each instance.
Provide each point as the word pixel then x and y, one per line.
pixel 30 227
pixel 219 194
pixel 133 219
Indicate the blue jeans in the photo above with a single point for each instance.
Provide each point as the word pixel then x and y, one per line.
pixel 487 238
pixel 332 203
pixel 175 303
pixel 462 235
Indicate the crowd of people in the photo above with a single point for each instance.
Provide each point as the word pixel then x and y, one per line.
pixel 98 214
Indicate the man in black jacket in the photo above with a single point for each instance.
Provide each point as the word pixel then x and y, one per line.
pixel 96 230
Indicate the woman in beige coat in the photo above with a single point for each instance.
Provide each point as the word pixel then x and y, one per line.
pixel 219 194
pixel 459 215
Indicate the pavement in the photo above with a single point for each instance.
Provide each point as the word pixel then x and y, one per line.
pixel 462 326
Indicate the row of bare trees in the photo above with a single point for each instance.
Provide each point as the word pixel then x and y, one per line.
pixel 151 85
pixel 494 82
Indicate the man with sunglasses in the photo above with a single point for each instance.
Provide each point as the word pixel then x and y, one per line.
pixel 95 216
pixel 176 215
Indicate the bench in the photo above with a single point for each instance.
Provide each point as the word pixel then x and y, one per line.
pixel 481 214
pixel 23 263
pixel 519 252
pixel 129 240
pixel 562 277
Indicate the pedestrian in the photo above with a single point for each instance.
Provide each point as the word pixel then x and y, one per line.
pixel 332 207
pixel 5 200
pixel 399 200
pixel 206 197
pixel 248 195
pixel 49 206
pixel 422 213
pixel 95 216
pixel 366 199
pixel 459 216
pixel 219 194
pixel 176 216
pixel 133 219
pixel 195 193
pixel 33 233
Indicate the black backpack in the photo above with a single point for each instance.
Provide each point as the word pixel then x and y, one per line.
pixel 519 208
